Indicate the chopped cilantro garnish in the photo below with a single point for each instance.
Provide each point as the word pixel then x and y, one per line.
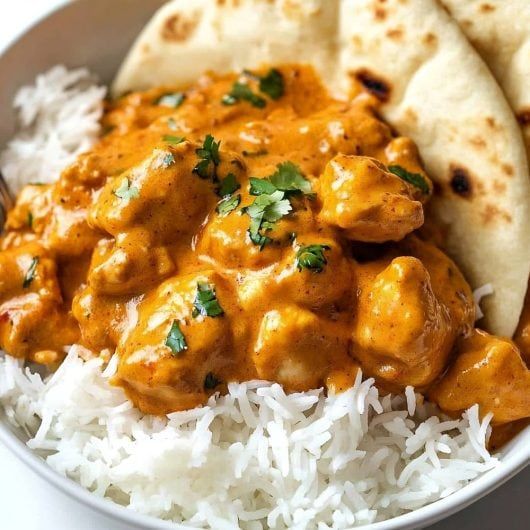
pixel 126 191
pixel 272 84
pixel 415 179
pixel 173 140
pixel 206 303
pixel 30 219
pixel 210 381
pixel 228 204
pixel 171 100
pixel 264 212
pixel 209 158
pixel 168 160
pixel 311 257
pixel 261 186
pixel 175 339
pixel 30 273
pixel 288 178
pixel 242 92
pixel 228 185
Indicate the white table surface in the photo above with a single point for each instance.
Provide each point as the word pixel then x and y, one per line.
pixel 28 503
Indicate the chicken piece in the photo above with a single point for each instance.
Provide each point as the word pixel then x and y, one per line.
pixel 448 283
pixel 365 200
pixel 298 349
pixel 489 371
pixel 172 356
pixel 127 266
pixel 33 324
pixel 403 333
pixel 102 319
pixel 328 286
pixel 32 209
pixel 226 241
pixel 162 194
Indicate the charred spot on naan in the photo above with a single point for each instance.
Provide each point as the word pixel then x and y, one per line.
pixel 460 182
pixel 179 28
pixel 375 84
pixel 492 214
pixel 486 8
pixel 523 117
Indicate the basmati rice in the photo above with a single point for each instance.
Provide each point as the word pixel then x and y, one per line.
pixel 58 118
pixel 255 458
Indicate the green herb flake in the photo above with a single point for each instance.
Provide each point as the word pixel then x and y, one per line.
pixel 210 381
pixel 242 92
pixel 172 124
pixel 127 192
pixel 206 303
pixel 264 212
pixel 287 178
pixel 168 160
pixel 173 140
pixel 311 257
pixel 272 84
pixel 209 158
pixel 30 273
pixel 175 339
pixel 30 219
pixel 228 185
pixel 415 179
pixel 228 204
pixel 171 100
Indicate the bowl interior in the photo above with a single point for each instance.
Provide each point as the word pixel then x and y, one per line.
pixel 97 34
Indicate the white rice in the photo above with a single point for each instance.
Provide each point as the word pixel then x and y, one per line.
pixel 58 118
pixel 253 459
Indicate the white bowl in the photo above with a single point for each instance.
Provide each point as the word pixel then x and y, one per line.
pixel 97 34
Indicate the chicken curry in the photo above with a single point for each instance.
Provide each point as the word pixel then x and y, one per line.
pixel 250 227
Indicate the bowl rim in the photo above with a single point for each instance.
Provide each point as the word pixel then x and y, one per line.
pixel 516 460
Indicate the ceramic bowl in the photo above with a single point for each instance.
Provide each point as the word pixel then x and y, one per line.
pixel 97 34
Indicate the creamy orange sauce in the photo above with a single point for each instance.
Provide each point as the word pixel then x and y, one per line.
pixel 116 253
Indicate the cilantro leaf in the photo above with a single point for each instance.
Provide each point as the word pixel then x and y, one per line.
pixel 175 339
pixel 126 192
pixel 288 178
pixel 173 140
pixel 210 381
pixel 172 100
pixel 206 303
pixel 311 257
pixel 228 204
pixel 242 92
pixel 30 220
pixel 228 185
pixel 272 84
pixel 261 186
pixel 415 179
pixel 209 158
pixel 270 207
pixel 30 273
pixel 264 212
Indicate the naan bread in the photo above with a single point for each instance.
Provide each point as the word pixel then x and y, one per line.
pixel 500 31
pixel 434 88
